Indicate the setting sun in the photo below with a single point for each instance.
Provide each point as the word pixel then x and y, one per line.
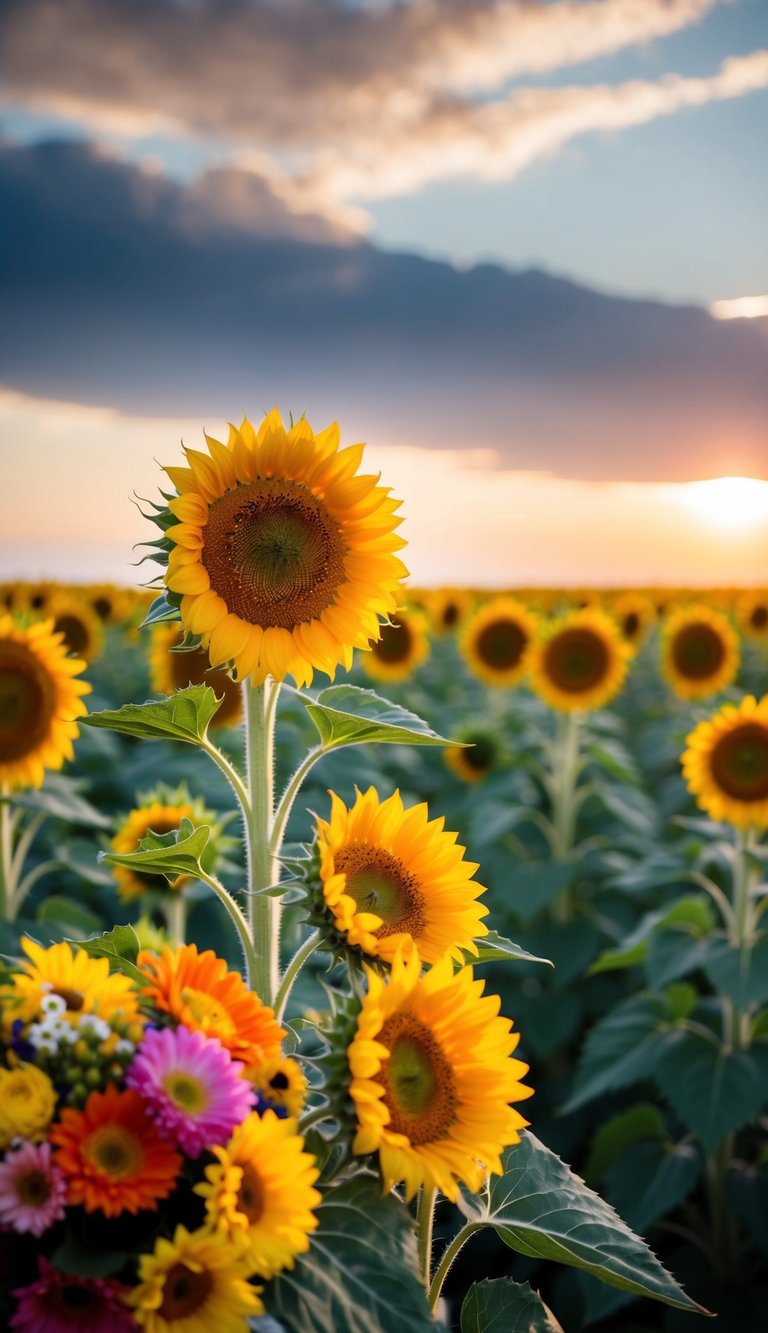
pixel 735 503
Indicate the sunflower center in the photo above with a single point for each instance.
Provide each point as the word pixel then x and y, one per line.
pixel 186 1091
pixel 76 636
pixel 698 651
pixel 250 1196
pixel 759 617
pixel 630 625
pixel 114 1151
pixel 33 1188
pixel 380 883
pixel 394 644
pixel 576 660
pixel 71 1297
pixel 273 553
pixel 27 701
pixel 480 753
pixel 73 999
pixel 103 607
pixel 207 1011
pixel 501 644
pixel 739 762
pixel 184 1292
pixel 420 1089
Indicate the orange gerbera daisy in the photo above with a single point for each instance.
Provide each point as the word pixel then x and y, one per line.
pixel 113 1157
pixel 199 990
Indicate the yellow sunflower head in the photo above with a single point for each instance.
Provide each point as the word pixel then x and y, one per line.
pixel 496 641
pixel 280 1083
pixel 475 754
pixel 113 605
pixel 40 700
pixel 580 661
pixel 77 622
pixel 447 608
pixel 280 557
pixel 726 764
pixel 171 670
pixel 159 811
pixel 635 614
pixel 432 1077
pixel 390 877
pixel 401 647
pixel 699 652
pixel 194 1283
pixel 752 614
pixel 85 984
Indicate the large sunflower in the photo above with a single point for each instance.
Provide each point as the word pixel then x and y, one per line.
pixel 390 875
pixel 171 671
pixel 401 647
pixel 195 1283
pixel 283 557
pixel 699 652
pixel 726 764
pixel 580 661
pixel 432 1077
pixel 40 700
pixel 262 1187
pixel 496 641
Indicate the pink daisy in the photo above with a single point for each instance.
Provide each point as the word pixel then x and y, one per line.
pixel 32 1190
pixel 59 1303
pixel 191 1087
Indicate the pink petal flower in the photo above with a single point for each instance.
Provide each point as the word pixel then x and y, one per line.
pixel 63 1303
pixel 32 1190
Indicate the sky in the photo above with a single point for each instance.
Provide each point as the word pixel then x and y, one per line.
pixel 485 237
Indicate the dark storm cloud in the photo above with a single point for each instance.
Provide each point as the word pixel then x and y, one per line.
pixel 123 288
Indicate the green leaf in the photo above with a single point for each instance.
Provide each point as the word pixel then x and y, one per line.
pixel 184 716
pixel 349 715
pixel 641 1121
pixel 741 975
pixel 360 1274
pixel 500 1305
pixel 82 1260
pixel 615 758
pixel 68 912
pixel 623 1048
pixel 694 912
pixel 631 807
pixel 176 853
pixel 60 797
pixel 650 1179
pixel 533 885
pixel 493 947
pixel 713 1091
pixel 120 945
pixel 540 1208
pixel 673 954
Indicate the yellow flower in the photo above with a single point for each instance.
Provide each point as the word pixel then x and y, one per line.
pixel 699 652
pixel 160 811
pixel 390 875
pixel 752 615
pixel 283 557
pixel 84 983
pixel 635 614
pixel 75 619
pixel 112 605
pixel 447 608
pixel 580 661
pixel 39 702
pixel 27 1104
pixel 402 646
pixel 496 641
pixel 432 1076
pixel 726 764
pixel 280 1081
pixel 194 1283
pixel 261 1187
pixel 474 756
pixel 171 671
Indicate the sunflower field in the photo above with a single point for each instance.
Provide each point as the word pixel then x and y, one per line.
pixel 377 958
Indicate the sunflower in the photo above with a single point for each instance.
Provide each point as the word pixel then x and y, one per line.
pixel 39 702
pixel 635 614
pixel 447 608
pixel 198 990
pixel 159 811
pixel 389 875
pixel 474 755
pixel 496 640
pixel 402 646
pixel 279 1083
pixel 194 1283
pixel 77 622
pixel 752 615
pixel 111 604
pixel 113 1157
pixel 580 661
pixel 726 764
pixel 85 984
pixel 261 1187
pixel 283 558
pixel 432 1077
pixel 699 652
pixel 171 671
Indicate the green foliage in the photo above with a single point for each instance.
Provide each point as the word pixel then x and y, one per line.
pixel 493 947
pixel 349 715
pixel 714 1091
pixel 61 798
pixel 500 1305
pixel 178 852
pixel 184 716
pixel 120 946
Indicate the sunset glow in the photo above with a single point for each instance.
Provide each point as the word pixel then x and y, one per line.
pixel 729 503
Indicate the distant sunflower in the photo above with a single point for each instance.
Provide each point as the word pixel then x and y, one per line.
pixel 401 647
pixel 112 604
pixel 171 671
pixel 391 875
pixel 635 614
pixel 475 755
pixel 432 1077
pixel 282 556
pixel 75 619
pixel 699 652
pixel 39 702
pixel 496 641
pixel 580 661
pixel 447 608
pixel 159 811
pixel 280 1083
pixel 726 764
pixel 752 615
pixel 194 1283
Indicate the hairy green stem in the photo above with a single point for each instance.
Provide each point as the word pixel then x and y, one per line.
pixel 6 879
pixel 230 773
pixel 443 1268
pixel 239 921
pixel 292 971
pixel 263 870
pixel 289 796
pixel 176 915
pixel 425 1218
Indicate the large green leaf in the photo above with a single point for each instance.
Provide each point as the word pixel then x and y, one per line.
pixel 639 1122
pixel 650 1179
pixel 540 1208
pixel 713 1091
pixel 178 852
pixel 120 945
pixel 61 797
pixel 69 913
pixel 349 715
pixel 533 885
pixel 360 1274
pixel 622 1048
pixel 500 1305
pixel 742 975
pixel 184 716
pixel 494 948
pixel 692 912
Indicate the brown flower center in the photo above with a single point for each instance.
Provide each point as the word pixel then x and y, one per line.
pixel 27 701
pixel 33 1188
pixel 394 645
pixel 450 614
pixel 501 644
pixel 73 999
pixel 420 1089
pixel 739 762
pixel 194 668
pixel 102 606
pixel 250 1196
pixel 630 625
pixel 479 754
pixel 380 883
pixel 77 639
pixel 698 651
pixel 759 617
pixel 184 1292
pixel 273 553
pixel 114 1151
pixel 576 660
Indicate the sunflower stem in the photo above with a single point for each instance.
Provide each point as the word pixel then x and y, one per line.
pixel 743 928
pixel 6 863
pixel 292 971
pixel 230 773
pixel 176 916
pixel 239 921
pixel 425 1218
pixel 289 796
pixel 443 1268
pixel 565 776
pixel 263 868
